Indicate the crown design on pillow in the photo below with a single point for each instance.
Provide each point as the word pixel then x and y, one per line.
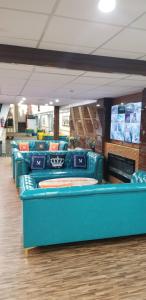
pixel 57 162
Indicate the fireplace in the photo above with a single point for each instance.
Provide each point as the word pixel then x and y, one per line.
pixel 120 167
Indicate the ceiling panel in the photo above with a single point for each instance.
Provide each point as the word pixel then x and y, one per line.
pixel 5 73
pixel 131 83
pixel 117 53
pixel 65 47
pixel 18 41
pixel 58 71
pixel 43 6
pixel 11 86
pixel 52 79
pixel 21 25
pixel 125 12
pixel 81 33
pixel 96 81
pixel 140 22
pixel 18 67
pixel 105 75
pixel 128 40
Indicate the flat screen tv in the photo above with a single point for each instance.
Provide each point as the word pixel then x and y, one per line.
pixel 125 122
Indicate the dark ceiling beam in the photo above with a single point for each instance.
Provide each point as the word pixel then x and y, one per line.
pixel 76 61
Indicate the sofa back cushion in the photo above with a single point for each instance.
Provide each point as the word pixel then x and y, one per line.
pixel 23 146
pixel 38 162
pixel 53 146
pixel 80 161
pixel 56 161
pixel 40 146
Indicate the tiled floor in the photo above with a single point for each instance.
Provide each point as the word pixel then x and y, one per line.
pixel 105 270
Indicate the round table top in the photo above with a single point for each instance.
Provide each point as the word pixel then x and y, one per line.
pixel 67 182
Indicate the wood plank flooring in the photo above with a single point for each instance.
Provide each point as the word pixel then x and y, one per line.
pixel 102 270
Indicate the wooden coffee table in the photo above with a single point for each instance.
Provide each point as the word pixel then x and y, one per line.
pixel 67 182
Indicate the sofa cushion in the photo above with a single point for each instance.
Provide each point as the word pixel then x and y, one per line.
pixel 79 161
pixel 23 146
pixel 56 161
pixel 40 146
pixel 38 162
pixel 53 146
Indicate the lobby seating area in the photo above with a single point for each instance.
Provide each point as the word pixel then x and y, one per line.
pixel 73 150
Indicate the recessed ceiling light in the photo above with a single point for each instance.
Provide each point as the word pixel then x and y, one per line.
pixel 46 104
pixel 106 6
pixel 57 100
pixel 51 102
pixel 23 98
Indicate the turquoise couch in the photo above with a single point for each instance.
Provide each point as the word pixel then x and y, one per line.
pixel 94 166
pixel 73 214
pixel 63 145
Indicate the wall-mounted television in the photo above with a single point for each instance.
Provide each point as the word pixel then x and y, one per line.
pixel 125 122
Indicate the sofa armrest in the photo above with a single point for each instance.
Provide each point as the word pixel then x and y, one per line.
pixel 95 162
pixel 14 144
pixel 21 167
pixel 139 177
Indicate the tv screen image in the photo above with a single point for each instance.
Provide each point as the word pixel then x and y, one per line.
pixel 125 122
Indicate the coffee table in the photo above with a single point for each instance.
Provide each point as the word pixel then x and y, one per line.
pixel 67 182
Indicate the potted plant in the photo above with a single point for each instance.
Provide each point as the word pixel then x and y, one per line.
pixel 91 142
pixel 74 141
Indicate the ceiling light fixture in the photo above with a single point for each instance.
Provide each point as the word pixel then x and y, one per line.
pixel 57 100
pixel 106 6
pixel 23 99
pixel 51 102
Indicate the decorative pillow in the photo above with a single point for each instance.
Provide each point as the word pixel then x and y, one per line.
pixel 23 146
pixel 79 161
pixel 54 146
pixel 38 162
pixel 40 146
pixel 56 161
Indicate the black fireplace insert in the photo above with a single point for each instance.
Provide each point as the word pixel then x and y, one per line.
pixel 120 167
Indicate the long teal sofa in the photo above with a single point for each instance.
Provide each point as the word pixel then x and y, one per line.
pixel 94 166
pixel 73 214
pixel 63 145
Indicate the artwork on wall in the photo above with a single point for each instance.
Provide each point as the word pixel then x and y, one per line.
pixel 125 122
pixel 65 120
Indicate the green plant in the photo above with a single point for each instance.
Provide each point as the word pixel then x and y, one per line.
pixel 74 141
pixel 91 142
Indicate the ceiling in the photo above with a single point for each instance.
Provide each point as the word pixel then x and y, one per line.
pixel 76 26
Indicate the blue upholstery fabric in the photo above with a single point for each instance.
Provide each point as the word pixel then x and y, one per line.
pixel 63 215
pixel 139 177
pixel 94 166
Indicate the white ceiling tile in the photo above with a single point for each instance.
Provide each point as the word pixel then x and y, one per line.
pixel 17 67
pixel 125 12
pixel 116 53
pixel 140 22
pixel 136 77
pixel 43 6
pixel 96 81
pixel 65 47
pixel 131 83
pixel 80 33
pixel 11 86
pixel 18 41
pixel 60 71
pixel 21 24
pixel 128 40
pixel 5 73
pixel 105 75
pixel 54 79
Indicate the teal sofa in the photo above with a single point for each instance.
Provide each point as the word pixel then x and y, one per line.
pixel 94 166
pixel 63 145
pixel 73 214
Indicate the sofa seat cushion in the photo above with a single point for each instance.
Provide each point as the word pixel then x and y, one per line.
pixel 39 175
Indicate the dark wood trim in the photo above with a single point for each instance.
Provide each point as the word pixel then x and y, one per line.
pixel 76 61
pixel 56 122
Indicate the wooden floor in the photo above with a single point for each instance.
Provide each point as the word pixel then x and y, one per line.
pixel 105 270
